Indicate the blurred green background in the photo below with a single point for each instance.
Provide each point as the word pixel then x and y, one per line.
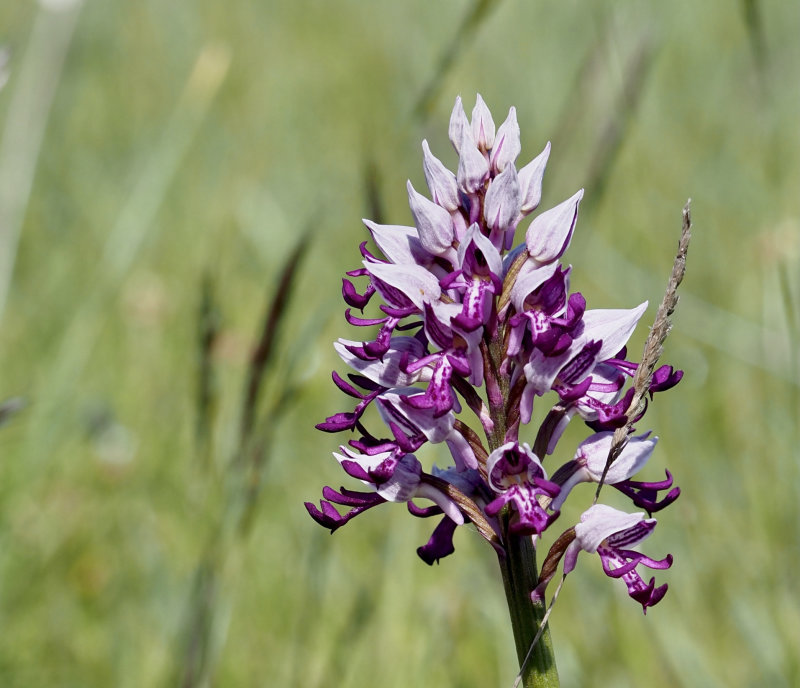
pixel 149 148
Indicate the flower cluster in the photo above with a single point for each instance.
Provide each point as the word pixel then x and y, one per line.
pixel 469 320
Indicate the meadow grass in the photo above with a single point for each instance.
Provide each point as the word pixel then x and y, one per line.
pixel 151 148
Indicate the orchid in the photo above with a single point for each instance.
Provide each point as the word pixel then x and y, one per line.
pixel 606 531
pixel 472 334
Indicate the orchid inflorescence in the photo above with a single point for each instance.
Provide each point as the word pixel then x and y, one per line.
pixel 464 310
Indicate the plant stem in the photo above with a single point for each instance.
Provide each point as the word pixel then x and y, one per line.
pixel 519 579
pixel 518 563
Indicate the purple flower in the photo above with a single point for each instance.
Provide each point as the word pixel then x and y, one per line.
pixel 590 462
pixel 413 424
pixel 462 332
pixel 516 474
pixel 609 533
pixel 391 477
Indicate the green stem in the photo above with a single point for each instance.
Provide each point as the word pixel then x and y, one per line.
pixel 518 562
pixel 520 578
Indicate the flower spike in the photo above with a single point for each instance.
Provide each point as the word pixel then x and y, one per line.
pixel 463 325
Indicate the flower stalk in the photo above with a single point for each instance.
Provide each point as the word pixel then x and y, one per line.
pixel 536 657
pixel 518 563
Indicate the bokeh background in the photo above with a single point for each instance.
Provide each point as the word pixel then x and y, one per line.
pixel 166 166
